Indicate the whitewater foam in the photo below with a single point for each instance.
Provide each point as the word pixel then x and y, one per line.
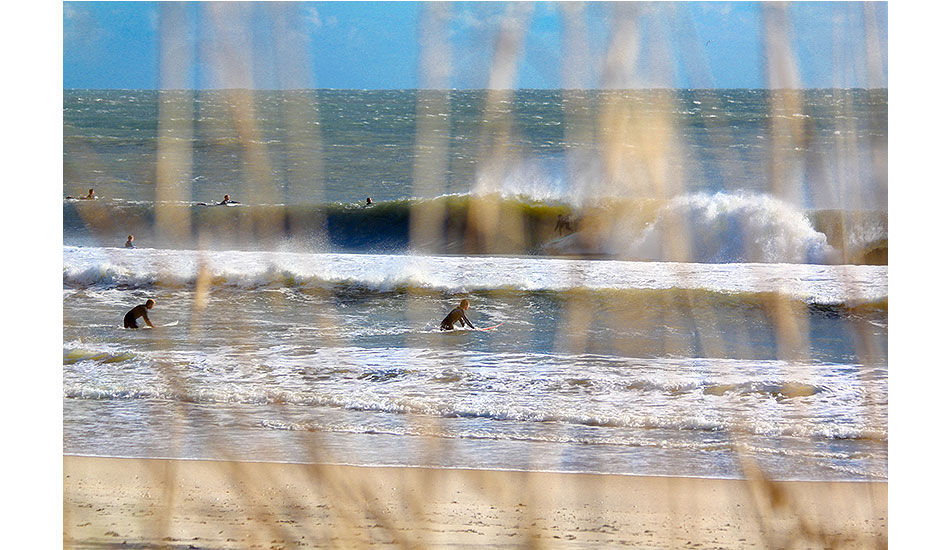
pixel 728 227
pixel 114 268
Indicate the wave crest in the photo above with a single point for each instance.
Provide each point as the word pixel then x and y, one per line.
pixel 726 228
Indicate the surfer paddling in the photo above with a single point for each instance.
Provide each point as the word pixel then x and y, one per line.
pixel 227 200
pixel 90 197
pixel 456 315
pixel 139 311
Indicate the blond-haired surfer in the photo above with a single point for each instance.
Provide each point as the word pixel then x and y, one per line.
pixel 456 315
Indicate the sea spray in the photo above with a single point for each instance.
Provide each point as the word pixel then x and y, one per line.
pixel 728 228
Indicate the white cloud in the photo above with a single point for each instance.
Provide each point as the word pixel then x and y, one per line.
pixel 79 26
pixel 467 19
pixel 312 16
pixel 723 9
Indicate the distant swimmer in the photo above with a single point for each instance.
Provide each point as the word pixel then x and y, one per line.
pixel 369 201
pixel 128 243
pixel 88 197
pixel 139 311
pixel 456 315
pixel 227 200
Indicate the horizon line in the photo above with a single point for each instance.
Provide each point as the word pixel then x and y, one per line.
pixel 465 89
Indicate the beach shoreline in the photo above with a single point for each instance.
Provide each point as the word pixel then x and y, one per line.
pixel 149 503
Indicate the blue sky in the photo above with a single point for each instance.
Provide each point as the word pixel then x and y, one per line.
pixel 469 44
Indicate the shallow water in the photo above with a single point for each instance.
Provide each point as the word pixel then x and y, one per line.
pixel 299 357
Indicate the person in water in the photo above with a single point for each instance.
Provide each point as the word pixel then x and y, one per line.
pixel 139 311
pixel 128 243
pixel 89 197
pixel 227 200
pixel 369 201
pixel 565 223
pixel 456 315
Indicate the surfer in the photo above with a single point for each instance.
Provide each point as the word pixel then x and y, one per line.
pixel 456 315
pixel 564 223
pixel 139 311
pixel 227 200
pixel 369 201
pixel 89 197
pixel 128 243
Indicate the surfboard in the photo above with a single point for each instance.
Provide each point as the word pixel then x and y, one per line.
pixel 173 323
pixel 464 329
pixel 557 240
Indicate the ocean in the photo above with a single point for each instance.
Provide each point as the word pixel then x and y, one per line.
pixel 718 299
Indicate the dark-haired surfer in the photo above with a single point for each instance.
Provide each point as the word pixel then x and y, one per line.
pixel 128 243
pixel 89 197
pixel 139 311
pixel 565 223
pixel 227 200
pixel 456 315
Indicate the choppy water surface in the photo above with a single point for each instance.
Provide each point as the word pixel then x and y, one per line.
pixel 338 357
pixel 302 325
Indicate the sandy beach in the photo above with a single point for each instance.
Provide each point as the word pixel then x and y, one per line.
pixel 152 503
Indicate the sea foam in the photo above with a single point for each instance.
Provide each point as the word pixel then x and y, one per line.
pixel 142 268
pixel 725 227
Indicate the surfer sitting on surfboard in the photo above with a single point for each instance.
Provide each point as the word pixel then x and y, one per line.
pixel 139 311
pixel 456 315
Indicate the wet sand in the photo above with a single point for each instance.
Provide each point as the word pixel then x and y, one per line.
pixel 152 503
